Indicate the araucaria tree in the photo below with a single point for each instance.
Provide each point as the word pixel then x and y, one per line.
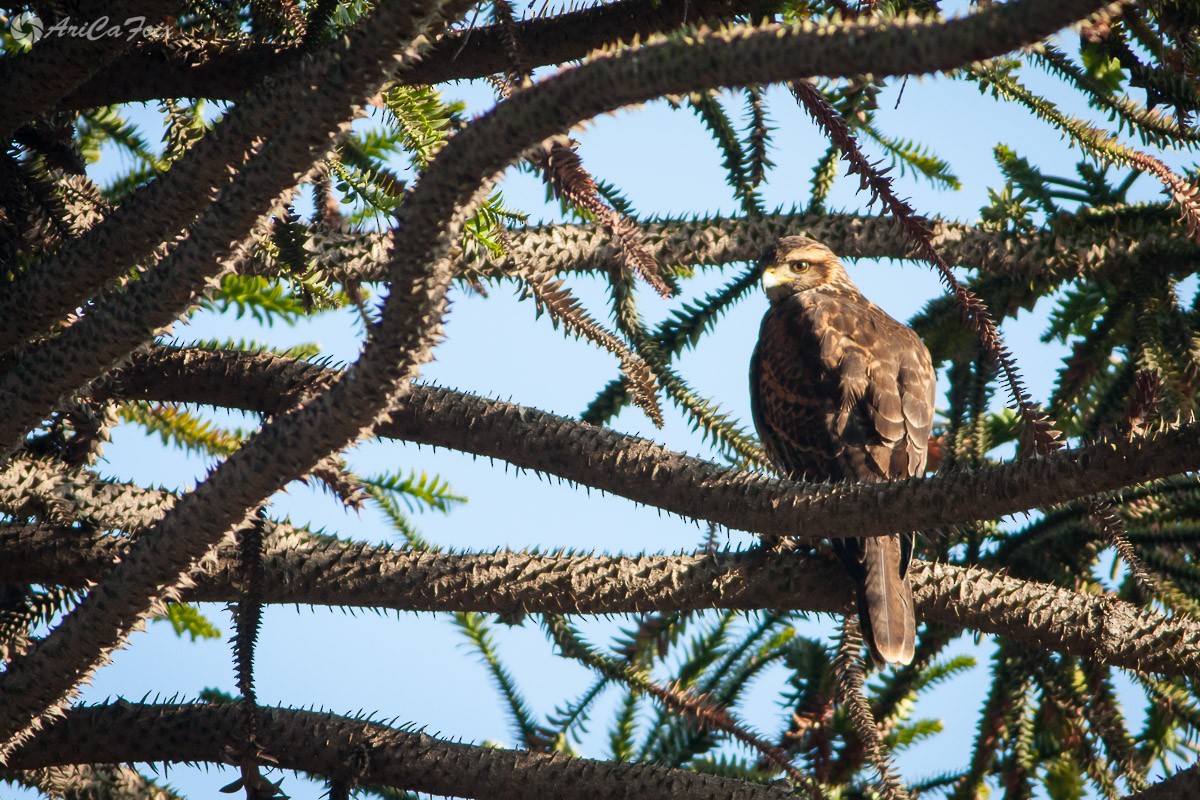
pixel 1063 530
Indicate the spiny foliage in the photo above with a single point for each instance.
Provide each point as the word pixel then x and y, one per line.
pixel 187 618
pixel 671 688
pixel 417 490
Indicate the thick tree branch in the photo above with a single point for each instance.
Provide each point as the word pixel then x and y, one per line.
pixel 1084 250
pixel 183 68
pixel 652 474
pixel 307 569
pixel 362 752
pixel 648 473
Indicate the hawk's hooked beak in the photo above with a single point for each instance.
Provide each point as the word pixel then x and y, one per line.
pixel 770 280
pixel 776 287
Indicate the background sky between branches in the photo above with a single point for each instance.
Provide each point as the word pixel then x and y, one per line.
pixel 419 670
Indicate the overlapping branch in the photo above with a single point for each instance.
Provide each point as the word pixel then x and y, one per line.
pixel 121 322
pixel 257 145
pixel 42 295
pixel 361 752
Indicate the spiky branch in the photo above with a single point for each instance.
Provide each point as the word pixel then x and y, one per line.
pixel 300 567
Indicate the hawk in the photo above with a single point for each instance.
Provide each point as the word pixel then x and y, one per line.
pixel 841 391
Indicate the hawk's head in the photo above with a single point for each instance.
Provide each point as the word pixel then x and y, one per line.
pixel 800 264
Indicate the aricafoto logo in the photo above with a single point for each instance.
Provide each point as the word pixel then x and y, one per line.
pixel 26 27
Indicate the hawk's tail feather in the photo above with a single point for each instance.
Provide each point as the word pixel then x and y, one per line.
pixel 885 602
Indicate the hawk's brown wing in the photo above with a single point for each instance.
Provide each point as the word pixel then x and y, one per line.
pixel 840 390
pixel 791 394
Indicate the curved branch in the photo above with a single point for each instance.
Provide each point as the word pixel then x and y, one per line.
pixel 303 568
pixel 223 71
pixel 360 752
pixel 649 473
pixel 257 147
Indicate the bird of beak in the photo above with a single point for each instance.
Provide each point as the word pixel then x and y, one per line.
pixel 777 283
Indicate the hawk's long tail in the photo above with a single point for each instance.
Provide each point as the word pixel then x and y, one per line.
pixel 879 565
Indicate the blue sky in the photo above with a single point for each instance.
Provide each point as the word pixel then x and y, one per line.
pixel 419 669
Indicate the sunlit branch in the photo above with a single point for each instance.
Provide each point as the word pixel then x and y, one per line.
pixel 563 248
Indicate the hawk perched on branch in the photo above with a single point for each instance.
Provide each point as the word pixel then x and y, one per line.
pixel 841 391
